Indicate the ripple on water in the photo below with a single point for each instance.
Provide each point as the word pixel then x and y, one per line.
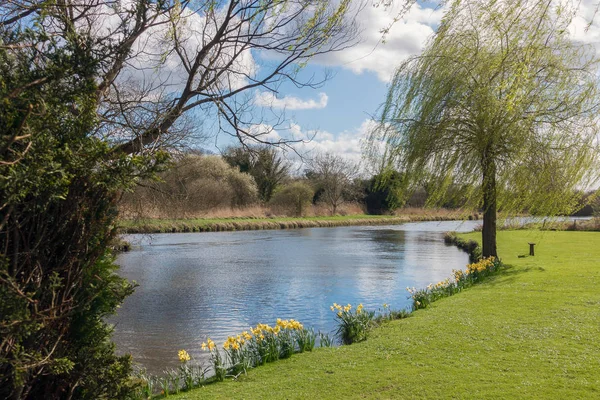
pixel 199 285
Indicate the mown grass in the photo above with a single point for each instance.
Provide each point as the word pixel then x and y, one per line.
pixel 532 331
pixel 236 224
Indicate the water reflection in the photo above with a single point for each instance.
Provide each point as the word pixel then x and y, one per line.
pixel 195 285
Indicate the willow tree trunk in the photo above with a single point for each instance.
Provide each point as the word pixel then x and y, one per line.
pixel 489 208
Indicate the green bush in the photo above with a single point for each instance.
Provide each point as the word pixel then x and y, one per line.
pixel 293 198
pixel 385 193
pixel 58 189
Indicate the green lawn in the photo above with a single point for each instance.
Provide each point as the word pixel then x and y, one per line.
pixel 533 331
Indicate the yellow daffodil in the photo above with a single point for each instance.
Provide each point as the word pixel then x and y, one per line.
pixel 210 344
pixel 183 356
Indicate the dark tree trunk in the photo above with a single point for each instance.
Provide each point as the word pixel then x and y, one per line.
pixel 489 208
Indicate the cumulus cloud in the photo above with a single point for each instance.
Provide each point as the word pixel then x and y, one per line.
pixel 269 99
pixel 406 37
pixel 154 65
pixel 347 144
pixel 585 26
pixel 409 36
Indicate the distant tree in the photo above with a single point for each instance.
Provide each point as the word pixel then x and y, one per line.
pixel 385 193
pixel 588 204
pixel 191 186
pixel 331 175
pixel 268 168
pixel 502 101
pixel 293 197
pixel 240 157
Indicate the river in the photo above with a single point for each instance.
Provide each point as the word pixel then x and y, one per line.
pixel 198 285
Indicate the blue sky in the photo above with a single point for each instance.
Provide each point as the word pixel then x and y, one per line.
pixel 336 116
pixel 340 111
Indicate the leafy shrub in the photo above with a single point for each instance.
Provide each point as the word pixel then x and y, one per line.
pixel 58 189
pixel 293 198
pixel 263 163
pixel 193 185
pixel 385 193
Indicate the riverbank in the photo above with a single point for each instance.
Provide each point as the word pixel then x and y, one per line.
pixel 588 225
pixel 240 224
pixel 529 332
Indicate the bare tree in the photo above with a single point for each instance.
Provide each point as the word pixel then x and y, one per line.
pixel 332 175
pixel 169 66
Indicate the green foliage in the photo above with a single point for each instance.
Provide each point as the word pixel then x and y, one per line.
pixel 294 198
pixel 353 325
pixel 385 193
pixel 263 163
pixel 58 188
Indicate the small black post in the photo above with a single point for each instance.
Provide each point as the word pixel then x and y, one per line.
pixel 531 252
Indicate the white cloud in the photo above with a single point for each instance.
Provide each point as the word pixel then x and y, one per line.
pixel 585 27
pixel 347 144
pixel 406 37
pixel 269 99
pixel 409 36
pixel 263 133
pixel 154 65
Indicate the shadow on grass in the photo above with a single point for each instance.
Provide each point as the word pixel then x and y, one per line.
pixel 509 273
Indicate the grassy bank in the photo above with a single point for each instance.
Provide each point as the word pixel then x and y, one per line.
pixel 239 224
pixel 530 332
pixel 590 225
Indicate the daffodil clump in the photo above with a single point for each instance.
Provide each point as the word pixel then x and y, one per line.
pixel 216 360
pixel 353 324
pixel 482 266
pixel 187 376
pixel 460 279
pixel 257 346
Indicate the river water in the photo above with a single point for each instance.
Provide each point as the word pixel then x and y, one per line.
pixel 198 285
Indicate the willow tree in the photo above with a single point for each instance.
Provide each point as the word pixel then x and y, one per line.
pixel 503 102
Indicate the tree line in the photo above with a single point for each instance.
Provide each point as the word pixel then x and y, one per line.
pixel 196 184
